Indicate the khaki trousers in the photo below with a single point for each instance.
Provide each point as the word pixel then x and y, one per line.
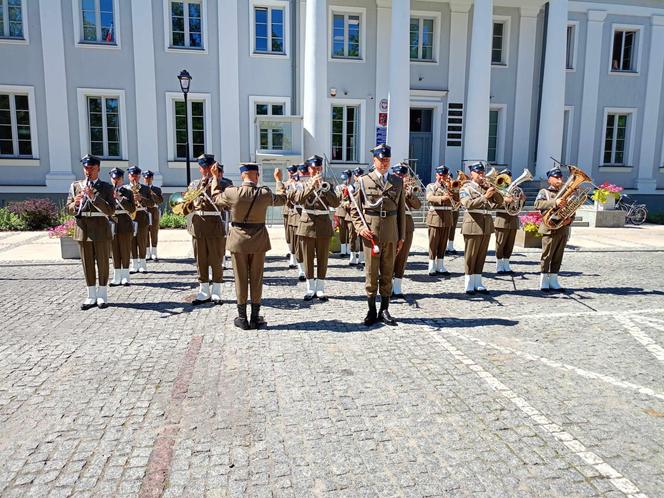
pixel 153 231
pixel 287 232
pixel 121 249
pixel 248 271
pixel 318 248
pixel 295 243
pixel 505 242
pixel 95 253
pixel 476 247
pixel 379 269
pixel 402 258
pixel 343 231
pixel 553 249
pixel 438 237
pixel 353 238
pixel 455 220
pixel 139 243
pixel 208 254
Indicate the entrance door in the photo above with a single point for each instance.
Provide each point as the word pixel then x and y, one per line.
pixel 421 140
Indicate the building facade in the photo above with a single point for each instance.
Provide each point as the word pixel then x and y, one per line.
pixel 510 81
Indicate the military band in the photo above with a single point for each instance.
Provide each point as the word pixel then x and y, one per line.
pixel 155 215
pixel 439 220
pixel 144 201
pixel 125 210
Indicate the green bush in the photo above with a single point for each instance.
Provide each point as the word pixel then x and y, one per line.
pixel 170 220
pixel 10 222
pixel 657 218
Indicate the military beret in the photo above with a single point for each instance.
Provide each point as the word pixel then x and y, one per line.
pixel 90 159
pixel 134 170
pixel 205 160
pixel 477 167
pixel 315 160
pixel 400 169
pixel 556 171
pixel 442 170
pixel 303 168
pixel 244 167
pixel 292 168
pixel 358 171
pixel 148 174
pixel 382 150
pixel 116 173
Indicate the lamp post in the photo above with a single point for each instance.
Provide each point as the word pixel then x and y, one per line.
pixel 185 80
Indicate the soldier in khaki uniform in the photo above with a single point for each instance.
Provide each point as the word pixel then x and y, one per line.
pixel 205 225
pixel 354 240
pixel 154 215
pixel 224 183
pixel 553 241
pixel 124 228
pixel 479 198
pixel 91 202
pixel 439 220
pixel 506 226
pixel 315 228
pixel 144 202
pixel 248 240
pixel 342 211
pixel 412 202
pixel 294 218
pixel 379 215
pixel 287 212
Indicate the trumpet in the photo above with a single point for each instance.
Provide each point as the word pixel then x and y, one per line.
pixel 411 185
pixel 453 187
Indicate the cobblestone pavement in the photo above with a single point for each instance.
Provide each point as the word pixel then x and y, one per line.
pixel 514 394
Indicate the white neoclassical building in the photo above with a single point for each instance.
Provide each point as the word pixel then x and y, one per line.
pixel 514 82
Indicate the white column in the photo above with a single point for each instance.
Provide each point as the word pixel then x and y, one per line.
pixel 229 83
pixel 383 30
pixel 456 85
pixel 646 176
pixel 316 112
pixel 524 89
pixel 398 118
pixel 476 125
pixel 592 64
pixel 552 109
pixel 60 175
pixel 146 87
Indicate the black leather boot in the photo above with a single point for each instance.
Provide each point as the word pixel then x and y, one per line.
pixel 256 321
pixel 384 315
pixel 372 314
pixel 241 320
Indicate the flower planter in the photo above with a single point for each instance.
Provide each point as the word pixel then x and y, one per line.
pixel 69 248
pixel 527 239
pixel 598 218
pixel 609 205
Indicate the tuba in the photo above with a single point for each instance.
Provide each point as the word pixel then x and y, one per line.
pixel 575 196
pixel 513 208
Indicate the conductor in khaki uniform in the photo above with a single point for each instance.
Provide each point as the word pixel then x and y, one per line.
pixel 440 220
pixel 412 202
pixel 379 216
pixel 92 204
pixel 124 228
pixel 144 202
pixel 155 214
pixel 287 212
pixel 342 210
pixel 315 229
pixel 205 225
pixel 553 241
pixel 506 226
pixel 479 198
pixel 248 240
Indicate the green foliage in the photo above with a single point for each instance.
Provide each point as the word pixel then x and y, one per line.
pixel 10 222
pixel 170 220
pixel 657 218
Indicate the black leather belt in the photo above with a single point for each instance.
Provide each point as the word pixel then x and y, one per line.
pixel 382 214
pixel 248 225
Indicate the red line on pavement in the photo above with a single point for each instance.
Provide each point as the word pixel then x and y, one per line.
pixel 159 464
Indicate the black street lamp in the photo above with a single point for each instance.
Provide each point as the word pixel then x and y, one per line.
pixel 185 80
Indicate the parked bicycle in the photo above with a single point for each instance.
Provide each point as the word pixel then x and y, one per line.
pixel 636 214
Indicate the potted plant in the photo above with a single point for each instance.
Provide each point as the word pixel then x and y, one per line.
pixel 605 196
pixel 528 235
pixel 65 232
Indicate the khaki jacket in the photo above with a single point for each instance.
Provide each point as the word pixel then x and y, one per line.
pixel 157 198
pixel 472 198
pixel 314 225
pixel 412 202
pixel 436 217
pixel 390 199
pixel 94 228
pixel 143 206
pixel 545 200
pixel 204 218
pixel 124 223
pixel 344 202
pixel 248 234
pixel 295 209
pixel 506 221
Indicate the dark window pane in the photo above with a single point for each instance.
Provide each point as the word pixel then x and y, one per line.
pixel 178 24
pixel 181 152
pixel 277 110
pixel 112 105
pixel 194 25
pixel 178 39
pixel 22 118
pixel 5 118
pixel 113 135
pixel 195 40
pixel 617 49
pixel 25 148
pixel 97 148
pixel 94 104
pixel 198 149
pixel 96 134
pixel 5 132
pixel 261 109
pixel 6 148
pixel 113 149
pixel 177 9
pixel 4 101
pixel 197 108
pixel 194 10
pixel 179 108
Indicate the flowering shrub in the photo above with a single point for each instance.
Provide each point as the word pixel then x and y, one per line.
pixel 64 230
pixel 605 190
pixel 36 213
pixel 531 222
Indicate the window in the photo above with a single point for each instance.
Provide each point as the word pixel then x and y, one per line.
pixel 269 30
pixel 421 38
pixel 11 19
pixel 345 126
pixel 615 138
pixel 569 55
pixel 195 127
pixel 271 137
pixel 623 56
pixel 346 33
pixel 493 136
pixel 15 133
pixel 186 24
pixel 104 126
pixel 97 21
pixel 498 55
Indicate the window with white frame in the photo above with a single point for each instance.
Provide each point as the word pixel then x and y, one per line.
pixel 269 30
pixel 492 150
pixel 15 134
pixel 104 126
pixel 615 138
pixel 190 124
pixel 97 21
pixel 271 137
pixel 624 54
pixel 569 54
pixel 186 24
pixel 11 19
pixel 421 38
pixel 346 35
pixel 498 41
pixel 345 128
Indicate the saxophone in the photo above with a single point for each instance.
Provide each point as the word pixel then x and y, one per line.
pixel 575 196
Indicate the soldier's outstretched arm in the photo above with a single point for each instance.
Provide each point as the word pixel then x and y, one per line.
pixel 279 197
pixel 414 201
